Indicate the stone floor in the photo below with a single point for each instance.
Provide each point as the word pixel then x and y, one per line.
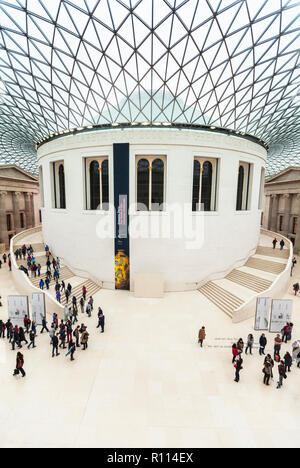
pixel 146 382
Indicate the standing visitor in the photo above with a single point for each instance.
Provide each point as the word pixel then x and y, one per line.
pixel 84 339
pixel 277 347
pixel 268 372
pixel 262 344
pixel 250 343
pixel 72 349
pixel 296 288
pixel 238 368
pixel 282 374
pixel 240 346
pixel 235 353
pixel 288 362
pixel 55 345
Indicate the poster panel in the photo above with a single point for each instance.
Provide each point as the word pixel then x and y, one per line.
pixel 17 309
pixel 38 308
pixel 262 317
pixel 282 311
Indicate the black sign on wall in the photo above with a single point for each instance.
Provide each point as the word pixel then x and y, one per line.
pixel 121 193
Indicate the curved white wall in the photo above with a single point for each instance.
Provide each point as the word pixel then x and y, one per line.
pixel 228 237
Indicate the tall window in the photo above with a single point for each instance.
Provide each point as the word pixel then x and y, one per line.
pixel 8 222
pixel 280 223
pixel 205 184
pixel 59 186
pixel 42 186
pixel 97 184
pixel 262 188
pixel 295 224
pixel 244 187
pixel 150 183
pixel 22 221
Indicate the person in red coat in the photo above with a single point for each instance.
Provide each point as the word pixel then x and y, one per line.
pixel 235 353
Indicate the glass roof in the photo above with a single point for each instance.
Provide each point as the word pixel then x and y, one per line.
pixel 228 63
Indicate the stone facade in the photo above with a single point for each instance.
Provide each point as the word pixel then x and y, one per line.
pixel 19 202
pixel 282 205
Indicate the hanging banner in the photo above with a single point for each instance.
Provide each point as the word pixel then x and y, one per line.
pixel 38 308
pixel 282 311
pixel 121 193
pixel 262 317
pixel 17 309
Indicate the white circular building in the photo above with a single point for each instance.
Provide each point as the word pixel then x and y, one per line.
pixel 193 197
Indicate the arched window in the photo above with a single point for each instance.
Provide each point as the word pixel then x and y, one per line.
pixel 205 185
pixel 158 176
pixel 206 193
pixel 150 183
pixel 143 189
pixel 62 189
pixel 196 185
pixel 95 185
pixel 262 189
pixel 105 185
pixel 240 190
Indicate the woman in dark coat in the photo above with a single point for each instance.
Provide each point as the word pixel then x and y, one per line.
pixel 19 365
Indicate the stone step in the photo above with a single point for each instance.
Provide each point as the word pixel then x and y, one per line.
pixel 270 252
pixel 223 299
pixel 92 288
pixel 65 274
pixel 265 265
pixel 249 281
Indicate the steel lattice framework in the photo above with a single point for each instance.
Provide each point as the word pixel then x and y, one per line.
pixel 226 63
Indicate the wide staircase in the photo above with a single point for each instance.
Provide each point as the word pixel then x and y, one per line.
pixel 66 275
pixel 257 276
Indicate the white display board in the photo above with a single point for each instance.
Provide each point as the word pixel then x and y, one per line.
pixel 38 309
pixel 17 309
pixel 262 317
pixel 282 311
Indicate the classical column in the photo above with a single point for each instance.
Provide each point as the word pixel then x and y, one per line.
pixel 16 208
pixel 297 240
pixel 268 212
pixel 274 215
pixel 32 210
pixel 28 210
pixel 287 212
pixel 3 227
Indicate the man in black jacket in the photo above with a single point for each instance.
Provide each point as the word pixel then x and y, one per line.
pixel 282 374
pixel 101 319
pixel 262 343
pixel 55 345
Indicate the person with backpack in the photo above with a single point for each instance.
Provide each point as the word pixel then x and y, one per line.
pixel 19 365
pixel 282 374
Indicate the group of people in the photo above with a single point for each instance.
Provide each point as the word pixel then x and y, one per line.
pixel 281 243
pixel 284 365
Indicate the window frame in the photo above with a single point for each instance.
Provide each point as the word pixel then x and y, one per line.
pixel 88 160
pixel 55 184
pixel 215 162
pixel 247 186
pixel 150 158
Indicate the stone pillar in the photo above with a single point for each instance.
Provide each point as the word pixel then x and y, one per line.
pixel 32 210
pixel 268 212
pixel 3 227
pixel 274 216
pixel 28 209
pixel 297 240
pixel 16 214
pixel 287 213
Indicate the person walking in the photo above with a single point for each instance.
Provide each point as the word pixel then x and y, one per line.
pixel 22 336
pixel 274 243
pixel 282 374
pixel 262 344
pixel 72 349
pixel 296 288
pixel 238 368
pixel 42 284
pixel 282 244
pixel 69 331
pixel 44 326
pixel 32 340
pixel 201 336
pixel 76 335
pixel 286 333
pixel 52 333
pixel 267 370
pixel 288 362
pixel 19 365
pixel 81 302
pixel 250 343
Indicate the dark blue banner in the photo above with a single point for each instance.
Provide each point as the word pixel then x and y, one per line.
pixel 121 190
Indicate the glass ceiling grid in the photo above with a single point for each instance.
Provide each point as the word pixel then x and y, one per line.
pixel 224 63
